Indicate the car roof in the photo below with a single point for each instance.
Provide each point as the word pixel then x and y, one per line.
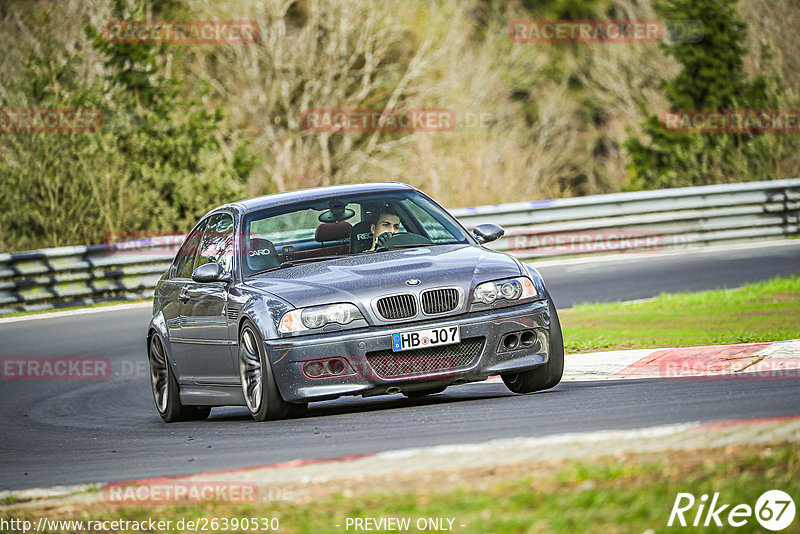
pixel 316 193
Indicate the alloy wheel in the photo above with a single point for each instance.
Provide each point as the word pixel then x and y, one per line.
pixel 159 374
pixel 250 368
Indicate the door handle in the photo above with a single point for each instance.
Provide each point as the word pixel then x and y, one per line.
pixel 184 295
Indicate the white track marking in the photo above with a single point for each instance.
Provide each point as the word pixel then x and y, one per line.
pixel 81 311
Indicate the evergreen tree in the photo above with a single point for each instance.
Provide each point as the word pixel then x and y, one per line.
pixel 711 78
pixel 163 131
pixel 159 161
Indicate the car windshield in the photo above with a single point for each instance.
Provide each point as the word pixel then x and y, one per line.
pixel 324 229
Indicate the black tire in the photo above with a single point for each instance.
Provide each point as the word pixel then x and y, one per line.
pixel 168 401
pixel 260 390
pixel 545 376
pixel 423 392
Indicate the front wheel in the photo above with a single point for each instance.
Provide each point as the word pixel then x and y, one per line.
pixel 258 384
pixel 545 376
pixel 165 388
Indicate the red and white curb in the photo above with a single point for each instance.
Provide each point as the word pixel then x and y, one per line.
pixel 510 451
pixel 778 360
pixel 751 360
pixel 775 360
pixel 288 480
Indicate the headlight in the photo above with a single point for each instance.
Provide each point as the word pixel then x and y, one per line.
pixel 510 289
pixel 318 316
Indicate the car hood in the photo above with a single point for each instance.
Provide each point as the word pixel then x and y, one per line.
pixel 361 278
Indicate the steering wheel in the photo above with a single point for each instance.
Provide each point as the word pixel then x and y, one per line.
pixel 405 239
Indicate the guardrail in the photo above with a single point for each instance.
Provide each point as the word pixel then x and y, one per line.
pixel 646 221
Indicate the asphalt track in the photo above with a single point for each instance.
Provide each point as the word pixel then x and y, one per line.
pixel 71 432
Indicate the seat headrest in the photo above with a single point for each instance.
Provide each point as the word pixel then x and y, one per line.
pixel 360 237
pixel 261 254
pixel 333 231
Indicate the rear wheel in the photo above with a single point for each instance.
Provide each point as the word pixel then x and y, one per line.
pixel 545 376
pixel 258 384
pixel 165 388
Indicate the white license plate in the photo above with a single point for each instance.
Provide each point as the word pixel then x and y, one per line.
pixel 431 337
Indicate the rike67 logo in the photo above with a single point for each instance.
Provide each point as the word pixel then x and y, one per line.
pixel 774 510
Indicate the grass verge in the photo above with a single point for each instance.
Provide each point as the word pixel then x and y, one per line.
pixel 763 311
pixel 625 493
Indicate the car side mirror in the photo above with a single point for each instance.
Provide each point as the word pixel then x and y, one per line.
pixel 210 272
pixel 488 232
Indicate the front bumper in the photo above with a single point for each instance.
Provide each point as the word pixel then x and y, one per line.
pixel 360 348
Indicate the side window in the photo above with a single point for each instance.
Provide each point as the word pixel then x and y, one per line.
pixel 185 258
pixel 217 243
pixel 286 228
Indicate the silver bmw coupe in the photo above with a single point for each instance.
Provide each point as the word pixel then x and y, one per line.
pixel 368 289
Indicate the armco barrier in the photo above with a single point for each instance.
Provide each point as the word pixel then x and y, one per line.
pixel 70 276
pixel 646 221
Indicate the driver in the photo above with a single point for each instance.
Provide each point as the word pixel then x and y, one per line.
pixel 386 225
